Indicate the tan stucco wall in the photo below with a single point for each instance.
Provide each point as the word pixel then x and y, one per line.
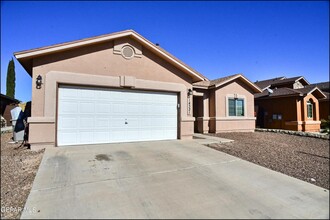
pixel 234 87
pixel 99 59
pixel 215 107
pixel 222 121
pixel 97 65
pixel 235 125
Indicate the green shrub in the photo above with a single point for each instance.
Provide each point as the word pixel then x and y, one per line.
pixel 325 125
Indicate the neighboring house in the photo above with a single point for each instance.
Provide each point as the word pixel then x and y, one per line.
pixel 224 104
pixel 324 103
pixel 121 87
pixel 288 103
pixel 7 104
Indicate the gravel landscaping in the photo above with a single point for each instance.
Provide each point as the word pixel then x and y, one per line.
pixel 305 158
pixel 18 169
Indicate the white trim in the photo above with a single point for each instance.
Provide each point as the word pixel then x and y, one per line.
pixel 187 119
pixel 200 87
pixel 165 55
pixel 316 88
pixel 311 122
pixel 200 94
pixel 41 120
pixel 302 122
pixel 307 105
pixel 203 118
pixel 238 118
pixel 68 46
pixel 101 39
pixel 303 79
pixel 232 96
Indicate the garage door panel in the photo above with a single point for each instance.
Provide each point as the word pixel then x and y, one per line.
pixel 104 108
pixel 69 92
pixel 86 94
pixel 87 107
pixel 86 121
pixel 101 136
pixel 68 137
pixel 68 106
pixel 67 122
pixel 85 137
pixel 102 123
pixel 96 115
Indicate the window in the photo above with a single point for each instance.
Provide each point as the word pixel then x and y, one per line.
pixel 309 109
pixel 236 107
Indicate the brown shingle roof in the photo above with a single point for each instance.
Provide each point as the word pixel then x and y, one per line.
pixel 278 81
pixel 220 81
pixel 290 80
pixel 324 86
pixel 327 96
pixel 279 92
pixel 5 97
pixel 215 81
pixel 265 83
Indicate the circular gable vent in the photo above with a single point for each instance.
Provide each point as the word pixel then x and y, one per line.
pixel 127 52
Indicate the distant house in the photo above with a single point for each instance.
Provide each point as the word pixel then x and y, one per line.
pixel 7 104
pixel 288 103
pixel 324 103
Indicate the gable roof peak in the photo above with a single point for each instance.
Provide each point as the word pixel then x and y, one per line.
pixel 25 57
pixel 223 80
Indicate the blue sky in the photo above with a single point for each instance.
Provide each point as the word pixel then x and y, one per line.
pixel 259 39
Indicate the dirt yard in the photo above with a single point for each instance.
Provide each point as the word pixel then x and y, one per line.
pixel 18 169
pixel 304 158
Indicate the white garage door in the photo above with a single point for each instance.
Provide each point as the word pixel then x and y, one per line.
pixel 95 115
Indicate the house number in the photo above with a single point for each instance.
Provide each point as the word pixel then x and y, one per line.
pixel 189 106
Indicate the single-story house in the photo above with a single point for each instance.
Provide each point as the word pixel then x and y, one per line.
pixel 225 104
pixel 6 105
pixel 324 104
pixel 121 87
pixel 288 103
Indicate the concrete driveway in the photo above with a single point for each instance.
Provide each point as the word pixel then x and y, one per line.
pixel 165 179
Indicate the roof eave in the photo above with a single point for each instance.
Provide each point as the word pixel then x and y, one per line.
pixel 30 54
pixel 200 87
pixel 280 96
pixel 252 85
pixel 322 95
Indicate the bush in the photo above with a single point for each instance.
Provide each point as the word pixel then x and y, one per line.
pixel 325 125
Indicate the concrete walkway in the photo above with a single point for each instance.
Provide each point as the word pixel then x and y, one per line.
pixel 165 179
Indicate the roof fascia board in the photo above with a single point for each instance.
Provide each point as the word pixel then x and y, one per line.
pixel 235 77
pixel 200 87
pixel 317 89
pixel 279 96
pixel 101 39
pixel 150 45
pixel 68 46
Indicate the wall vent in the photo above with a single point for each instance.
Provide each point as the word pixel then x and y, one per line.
pixel 127 52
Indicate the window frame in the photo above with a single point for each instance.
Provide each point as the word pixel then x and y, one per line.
pixel 309 105
pixel 235 106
